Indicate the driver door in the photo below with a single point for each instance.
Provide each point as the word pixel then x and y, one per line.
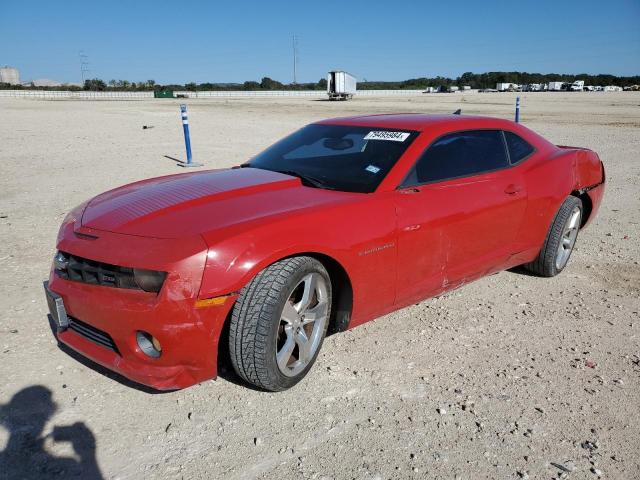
pixel 458 214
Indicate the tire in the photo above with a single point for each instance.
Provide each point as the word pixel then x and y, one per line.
pixel 561 238
pixel 272 318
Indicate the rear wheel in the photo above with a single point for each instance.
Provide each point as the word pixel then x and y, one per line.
pixel 561 239
pixel 279 323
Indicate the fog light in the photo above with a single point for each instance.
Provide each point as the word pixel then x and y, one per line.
pixel 148 344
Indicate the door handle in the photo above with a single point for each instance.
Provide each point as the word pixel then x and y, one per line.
pixel 512 189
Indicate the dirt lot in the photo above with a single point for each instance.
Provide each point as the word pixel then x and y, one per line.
pixel 512 376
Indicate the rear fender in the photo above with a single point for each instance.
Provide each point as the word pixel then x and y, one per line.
pixel 588 170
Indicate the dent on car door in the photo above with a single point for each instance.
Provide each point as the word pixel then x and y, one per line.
pixel 452 230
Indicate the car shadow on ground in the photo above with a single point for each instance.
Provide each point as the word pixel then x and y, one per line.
pixel 25 456
pixel 521 270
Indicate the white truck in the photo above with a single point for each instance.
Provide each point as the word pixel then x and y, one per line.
pixel 340 85
pixel 508 87
pixel 577 86
pixel 555 86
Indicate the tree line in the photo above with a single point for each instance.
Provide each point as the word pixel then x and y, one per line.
pixel 474 80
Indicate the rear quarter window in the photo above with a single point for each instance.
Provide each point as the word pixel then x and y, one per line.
pixel 519 148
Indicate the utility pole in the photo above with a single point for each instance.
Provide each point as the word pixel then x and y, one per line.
pixel 84 65
pixel 295 59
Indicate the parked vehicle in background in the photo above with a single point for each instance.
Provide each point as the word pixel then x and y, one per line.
pixel 508 87
pixel 453 89
pixel 430 90
pixel 533 87
pixel 612 88
pixel 577 86
pixel 556 86
pixel 340 85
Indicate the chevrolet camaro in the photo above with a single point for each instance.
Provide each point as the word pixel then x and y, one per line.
pixel 341 222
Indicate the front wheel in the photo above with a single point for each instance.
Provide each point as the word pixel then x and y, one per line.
pixel 279 323
pixel 561 239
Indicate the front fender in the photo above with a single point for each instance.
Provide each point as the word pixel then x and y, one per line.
pixel 228 270
pixel 360 237
pixel 232 263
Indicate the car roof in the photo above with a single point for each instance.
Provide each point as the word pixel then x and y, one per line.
pixel 420 121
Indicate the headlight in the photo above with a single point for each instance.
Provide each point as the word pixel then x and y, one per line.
pixel 149 280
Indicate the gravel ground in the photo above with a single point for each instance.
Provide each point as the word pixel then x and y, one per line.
pixel 512 376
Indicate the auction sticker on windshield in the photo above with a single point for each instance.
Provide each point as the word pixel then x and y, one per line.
pixel 385 135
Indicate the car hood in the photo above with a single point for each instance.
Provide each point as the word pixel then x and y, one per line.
pixel 195 203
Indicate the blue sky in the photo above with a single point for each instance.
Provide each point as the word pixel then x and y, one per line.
pixel 236 41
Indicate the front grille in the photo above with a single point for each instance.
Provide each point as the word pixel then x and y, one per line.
pixel 93 334
pixel 78 269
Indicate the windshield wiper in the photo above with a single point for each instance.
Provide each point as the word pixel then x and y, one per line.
pixel 306 179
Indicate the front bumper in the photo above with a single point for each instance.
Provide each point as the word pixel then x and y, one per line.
pixel 188 335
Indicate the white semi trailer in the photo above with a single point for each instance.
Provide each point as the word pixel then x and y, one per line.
pixel 340 85
pixel 555 86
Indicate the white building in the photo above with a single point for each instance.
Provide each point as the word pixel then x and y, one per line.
pixel 9 75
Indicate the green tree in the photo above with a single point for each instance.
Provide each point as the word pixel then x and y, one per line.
pixel 94 84
pixel 250 85
pixel 269 84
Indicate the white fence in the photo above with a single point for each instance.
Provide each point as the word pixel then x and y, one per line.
pixel 111 95
pixel 49 94
pixel 247 93
pixel 386 93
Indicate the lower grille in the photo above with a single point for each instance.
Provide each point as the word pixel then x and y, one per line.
pixel 93 334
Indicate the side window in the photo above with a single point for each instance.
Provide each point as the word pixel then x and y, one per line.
pixel 460 154
pixel 518 147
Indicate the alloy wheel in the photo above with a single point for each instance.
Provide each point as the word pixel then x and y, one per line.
pixel 302 324
pixel 568 239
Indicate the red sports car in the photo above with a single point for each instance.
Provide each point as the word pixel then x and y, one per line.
pixel 339 223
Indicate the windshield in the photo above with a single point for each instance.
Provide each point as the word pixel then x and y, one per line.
pixel 337 157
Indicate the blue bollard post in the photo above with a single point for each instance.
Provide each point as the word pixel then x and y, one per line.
pixel 517 109
pixel 187 138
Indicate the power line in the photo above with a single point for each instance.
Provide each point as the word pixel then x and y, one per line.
pixel 84 65
pixel 295 59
